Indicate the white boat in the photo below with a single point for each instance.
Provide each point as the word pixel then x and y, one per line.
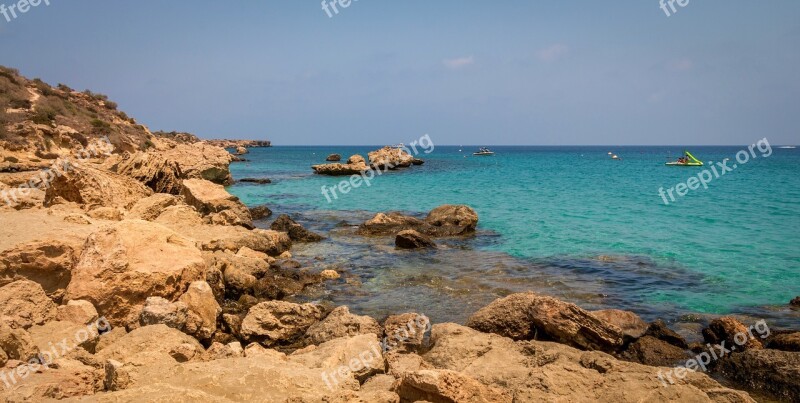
pixel 483 152
pixel 788 147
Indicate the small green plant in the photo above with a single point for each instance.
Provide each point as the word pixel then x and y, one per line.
pixel 20 104
pixel 100 125
pixel 44 116
pixel 64 87
pixel 111 105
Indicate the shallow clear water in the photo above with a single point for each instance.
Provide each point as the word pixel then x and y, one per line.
pixel 566 221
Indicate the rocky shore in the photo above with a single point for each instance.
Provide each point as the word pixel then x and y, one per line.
pixel 133 275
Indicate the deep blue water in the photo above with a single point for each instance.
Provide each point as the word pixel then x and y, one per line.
pixel 566 221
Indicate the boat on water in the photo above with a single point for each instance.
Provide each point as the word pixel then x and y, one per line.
pixel 483 152
pixel 788 147
pixel 688 160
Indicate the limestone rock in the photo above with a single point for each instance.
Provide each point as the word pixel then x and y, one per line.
pixel 410 239
pixel 659 330
pixel 528 316
pixel 279 322
pixel 92 188
pixel 260 212
pixel 355 165
pixel 24 303
pixel 649 350
pixel 124 264
pixel 17 344
pixel 341 323
pixel 405 332
pixel 203 310
pixel 159 311
pixel 776 372
pixel 358 356
pixel 107 213
pixel 443 221
pixel 48 263
pixel 78 312
pixel 147 339
pixel 785 342
pixel 631 324
pixel 160 174
pixel 733 332
pixel 334 158
pixel 150 208
pixel 214 201
pixel 201 161
pixel 450 220
pixel 296 231
pixel 447 386
pixel 390 158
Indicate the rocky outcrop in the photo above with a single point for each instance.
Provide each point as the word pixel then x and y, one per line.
pixel 443 221
pixel 201 161
pixel 296 231
pixel 203 310
pixel 631 324
pixel 124 264
pixel 260 212
pixel 334 158
pixel 795 301
pixel 216 203
pixel 732 332
pixel 355 165
pixel 241 150
pixel 772 371
pixel 528 316
pixel 447 386
pixel 341 323
pixel 162 175
pixel 649 350
pixel 410 239
pixel 258 181
pixel 24 304
pixel 390 158
pixel 661 331
pixel 785 342
pixel 278 322
pixel 16 344
pixel 405 332
pixel 158 342
pixel 150 208
pixel 78 312
pixel 48 263
pixel 92 188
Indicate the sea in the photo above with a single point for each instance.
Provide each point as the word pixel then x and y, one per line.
pixel 569 222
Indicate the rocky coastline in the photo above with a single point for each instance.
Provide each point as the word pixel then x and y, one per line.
pixel 132 274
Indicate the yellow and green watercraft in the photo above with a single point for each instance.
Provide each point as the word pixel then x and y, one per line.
pixel 687 161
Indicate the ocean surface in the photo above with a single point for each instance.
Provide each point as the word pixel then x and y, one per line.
pixel 564 221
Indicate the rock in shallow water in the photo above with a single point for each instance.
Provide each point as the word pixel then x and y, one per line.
pixel 296 231
pixel 410 239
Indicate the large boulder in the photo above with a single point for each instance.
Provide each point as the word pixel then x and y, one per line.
pixel 124 264
pixel 410 239
pixel 631 324
pixel 159 311
pixel 341 323
pixel 16 344
pixel 160 174
pixel 390 158
pixel 150 208
pixel 450 220
pixel 443 221
pixel 359 356
pixel 278 322
pixel 48 263
pixel 147 340
pixel 273 243
pixel 91 188
pixel 24 303
pixel 355 165
pixel 732 332
pixel 214 201
pixel 535 371
pixel 527 316
pixel 447 386
pixel 649 350
pixel 202 161
pixel 78 312
pixel 772 371
pixel 785 342
pixel 203 310
pixel 296 231
pixel 405 332
pixel 383 224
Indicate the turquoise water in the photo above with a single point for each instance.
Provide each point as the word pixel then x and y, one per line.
pixel 567 221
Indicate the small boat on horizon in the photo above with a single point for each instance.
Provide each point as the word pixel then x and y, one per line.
pixel 788 147
pixel 483 151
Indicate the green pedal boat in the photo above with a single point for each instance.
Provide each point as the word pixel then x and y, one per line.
pixel 688 161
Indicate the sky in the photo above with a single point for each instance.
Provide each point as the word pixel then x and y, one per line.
pixel 541 72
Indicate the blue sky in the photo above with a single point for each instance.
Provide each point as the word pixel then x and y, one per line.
pixel 540 72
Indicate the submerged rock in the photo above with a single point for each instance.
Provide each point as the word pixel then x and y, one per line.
pixel 296 231
pixel 259 181
pixel 410 239
pixel 528 316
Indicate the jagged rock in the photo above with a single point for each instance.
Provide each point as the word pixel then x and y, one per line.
pixel 330 274
pixel 79 219
pixel 48 263
pixel 78 312
pixel 405 332
pixel 73 381
pixel 447 386
pixel 202 161
pixel 92 188
pixel 795 301
pixel 107 213
pixel 785 342
pixel 249 253
pixel 450 220
pixel 273 243
pixel 24 303
pixel 48 336
pixel 649 350
pixel 528 316
pixel 732 332
pixel 773 371
pixel 160 174
pixel 260 212
pixel 631 324
pixel 659 330
pixel 203 310
pixel 535 371
pixel 296 231
pixel 279 322
pixel 124 264
pixel 214 201
pixel 355 165
pixel 284 281
pixel 390 158
pixel 150 208
pixel 159 311
pixel 360 356
pixel 240 150
pixel 334 158
pixel 16 344
pixel 239 273
pixel 219 351
pixel 410 239
pixel 447 220
pixel 341 323
pixel 148 339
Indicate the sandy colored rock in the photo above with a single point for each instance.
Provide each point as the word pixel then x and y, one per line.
pixel 390 158
pixel 631 324
pixel 201 161
pixel 355 165
pixel 91 188
pixel 160 174
pixel 48 263
pixel 80 219
pixel 776 372
pixel 279 322
pixel 160 311
pixel 785 342
pixel 359 356
pixel 443 221
pixel 77 311
pixel 526 316
pixel 48 336
pixel 447 386
pixel 330 274
pixel 24 303
pixel 17 344
pixel 651 351
pixel 124 264
pixel 150 208
pixel 53 384
pixel 341 323
pixel 203 310
pixel 405 332
pixel 214 201
pixel 733 333
pixel 219 351
pixel 249 253
pixel 450 220
pixel 147 339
